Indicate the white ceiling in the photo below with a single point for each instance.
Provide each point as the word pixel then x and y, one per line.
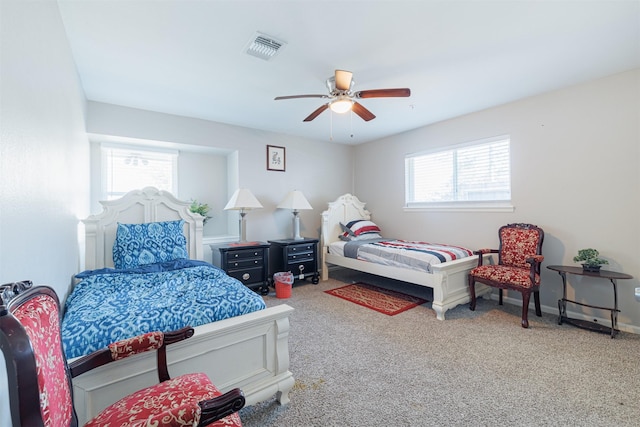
pixel 188 57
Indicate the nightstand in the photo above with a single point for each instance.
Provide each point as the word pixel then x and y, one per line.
pixel 245 261
pixel 300 257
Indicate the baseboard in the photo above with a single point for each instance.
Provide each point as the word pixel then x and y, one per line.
pixel 624 327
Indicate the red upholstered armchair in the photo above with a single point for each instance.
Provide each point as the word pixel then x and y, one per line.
pixel 39 377
pixel 518 268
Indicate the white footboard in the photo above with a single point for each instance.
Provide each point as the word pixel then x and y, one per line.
pixel 453 288
pixel 448 280
pixel 250 352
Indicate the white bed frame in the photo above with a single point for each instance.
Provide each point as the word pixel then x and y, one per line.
pixel 448 280
pixel 250 351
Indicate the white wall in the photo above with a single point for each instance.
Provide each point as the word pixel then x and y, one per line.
pixel 43 153
pixel 575 173
pixel 321 170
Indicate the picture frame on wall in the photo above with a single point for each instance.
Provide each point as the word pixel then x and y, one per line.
pixel 276 158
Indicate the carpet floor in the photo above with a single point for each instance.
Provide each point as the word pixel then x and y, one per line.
pixel 356 367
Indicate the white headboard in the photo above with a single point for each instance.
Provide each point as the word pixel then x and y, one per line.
pixel 346 208
pixel 137 207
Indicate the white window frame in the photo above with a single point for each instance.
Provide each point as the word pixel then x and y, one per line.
pixel 104 186
pixel 456 206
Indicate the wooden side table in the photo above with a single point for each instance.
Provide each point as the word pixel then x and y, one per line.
pixel 612 276
pixel 300 257
pixel 246 261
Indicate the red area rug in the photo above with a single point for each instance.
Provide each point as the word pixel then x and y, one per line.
pixel 378 299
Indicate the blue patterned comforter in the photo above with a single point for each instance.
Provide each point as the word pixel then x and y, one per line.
pixel 108 305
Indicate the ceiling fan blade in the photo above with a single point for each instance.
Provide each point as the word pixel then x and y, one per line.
pixel 277 98
pixel 384 93
pixel 316 113
pixel 365 114
pixel 343 79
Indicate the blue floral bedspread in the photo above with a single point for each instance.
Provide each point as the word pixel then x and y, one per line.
pixel 108 305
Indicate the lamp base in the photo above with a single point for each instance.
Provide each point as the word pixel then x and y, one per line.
pixel 243 227
pixel 296 226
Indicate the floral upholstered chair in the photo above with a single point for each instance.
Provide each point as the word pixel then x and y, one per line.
pixel 39 377
pixel 518 268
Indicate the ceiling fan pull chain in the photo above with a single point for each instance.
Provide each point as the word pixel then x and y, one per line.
pixel 351 123
pixel 330 125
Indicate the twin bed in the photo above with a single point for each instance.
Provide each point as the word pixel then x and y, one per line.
pixel 161 282
pixel 443 268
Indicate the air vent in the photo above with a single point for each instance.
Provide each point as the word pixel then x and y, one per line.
pixel 264 47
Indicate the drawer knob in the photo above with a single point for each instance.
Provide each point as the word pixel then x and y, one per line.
pixel 246 276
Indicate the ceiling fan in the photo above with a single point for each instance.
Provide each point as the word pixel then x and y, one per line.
pixel 343 98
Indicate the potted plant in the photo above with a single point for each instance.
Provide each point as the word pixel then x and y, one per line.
pixel 590 260
pixel 201 209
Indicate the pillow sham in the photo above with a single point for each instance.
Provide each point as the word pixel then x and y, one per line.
pixel 362 226
pixel 367 236
pixel 149 243
pixel 346 230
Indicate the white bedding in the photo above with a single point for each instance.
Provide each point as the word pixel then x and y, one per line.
pixel 419 256
pixel 337 248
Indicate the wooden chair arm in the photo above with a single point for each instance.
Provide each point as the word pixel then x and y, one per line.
pixel 105 355
pixel 482 252
pixel 535 259
pixel 221 406
pixel 535 262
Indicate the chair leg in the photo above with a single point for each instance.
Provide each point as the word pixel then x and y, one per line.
pixel 472 292
pixel 536 301
pixel 500 296
pixel 525 309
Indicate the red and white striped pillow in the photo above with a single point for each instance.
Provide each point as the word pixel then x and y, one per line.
pixel 360 227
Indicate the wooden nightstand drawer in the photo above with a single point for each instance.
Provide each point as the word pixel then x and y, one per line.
pixel 248 275
pixel 304 267
pixel 308 248
pixel 244 263
pixel 300 257
pixel 245 253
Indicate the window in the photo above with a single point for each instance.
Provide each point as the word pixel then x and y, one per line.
pixel 129 168
pixel 470 176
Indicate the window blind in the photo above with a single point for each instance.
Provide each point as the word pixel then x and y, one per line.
pixel 475 172
pixel 126 169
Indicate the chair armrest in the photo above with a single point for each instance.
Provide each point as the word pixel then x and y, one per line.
pixel 131 346
pixel 536 259
pixel 221 406
pixel 482 252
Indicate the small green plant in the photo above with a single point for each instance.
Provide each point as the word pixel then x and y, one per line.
pixel 589 258
pixel 201 209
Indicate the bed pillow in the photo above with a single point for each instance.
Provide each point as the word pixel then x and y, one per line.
pixel 346 230
pixel 362 226
pixel 367 236
pixel 149 243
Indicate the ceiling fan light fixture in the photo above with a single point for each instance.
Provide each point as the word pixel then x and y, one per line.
pixel 341 105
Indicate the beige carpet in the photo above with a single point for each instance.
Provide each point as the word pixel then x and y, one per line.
pixel 357 367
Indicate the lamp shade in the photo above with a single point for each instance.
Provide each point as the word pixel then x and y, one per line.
pixel 244 200
pixel 295 200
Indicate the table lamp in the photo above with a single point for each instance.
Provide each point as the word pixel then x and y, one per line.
pixel 296 201
pixel 243 200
